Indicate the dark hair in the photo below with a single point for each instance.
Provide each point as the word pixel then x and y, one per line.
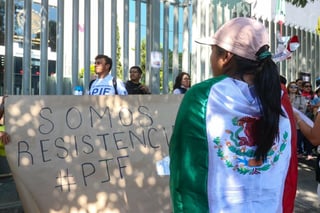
pixel 137 68
pixel 107 59
pixel 268 89
pixel 177 83
pixel 308 82
pixel 283 80
pixel 293 82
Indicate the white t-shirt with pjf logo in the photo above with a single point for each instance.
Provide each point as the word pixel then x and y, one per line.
pixel 104 86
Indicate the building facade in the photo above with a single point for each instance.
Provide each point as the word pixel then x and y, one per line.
pixel 48 46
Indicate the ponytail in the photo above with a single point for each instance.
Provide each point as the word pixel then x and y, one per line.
pixel 268 89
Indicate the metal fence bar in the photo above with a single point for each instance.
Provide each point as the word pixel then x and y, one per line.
pixel 165 47
pixel 26 77
pixel 186 38
pixel 153 44
pixel 125 40
pixel 113 41
pixel 87 39
pixel 137 32
pixel 175 54
pixel 75 44
pixel 9 68
pixel 317 56
pixel 44 48
pixel 100 27
pixel 60 50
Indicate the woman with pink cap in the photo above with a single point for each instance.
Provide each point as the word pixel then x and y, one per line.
pixel 233 147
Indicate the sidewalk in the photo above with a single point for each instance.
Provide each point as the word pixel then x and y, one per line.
pixel 307 198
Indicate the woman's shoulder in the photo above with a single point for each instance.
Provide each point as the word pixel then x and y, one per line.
pixel 205 86
pixel 179 90
pixel 176 91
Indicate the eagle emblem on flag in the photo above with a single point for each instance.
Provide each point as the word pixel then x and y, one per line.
pixel 237 147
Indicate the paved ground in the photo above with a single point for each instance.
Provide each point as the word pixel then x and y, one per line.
pixel 307 198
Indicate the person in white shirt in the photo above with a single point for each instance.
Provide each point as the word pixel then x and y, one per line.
pixel 312 133
pixel 105 84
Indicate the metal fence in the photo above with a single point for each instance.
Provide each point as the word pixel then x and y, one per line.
pixel 86 28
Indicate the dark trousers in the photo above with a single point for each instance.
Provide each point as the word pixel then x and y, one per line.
pixel 300 142
pixel 308 146
pixel 317 169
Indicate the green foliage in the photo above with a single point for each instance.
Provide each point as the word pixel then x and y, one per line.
pixel 161 78
pixel 119 65
pixel 143 58
pixel 299 3
pixel 170 86
pixel 92 71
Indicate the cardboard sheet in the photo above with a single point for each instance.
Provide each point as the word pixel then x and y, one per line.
pixel 91 153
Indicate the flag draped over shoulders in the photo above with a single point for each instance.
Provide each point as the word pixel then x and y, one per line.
pixel 212 165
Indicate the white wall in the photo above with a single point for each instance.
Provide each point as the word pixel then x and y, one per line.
pixel 303 18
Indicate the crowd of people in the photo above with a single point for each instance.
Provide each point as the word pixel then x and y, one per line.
pixel 238 135
pixel 305 99
pixel 306 104
pixel 106 84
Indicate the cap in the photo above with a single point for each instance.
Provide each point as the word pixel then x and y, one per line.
pixel 293 43
pixel 241 36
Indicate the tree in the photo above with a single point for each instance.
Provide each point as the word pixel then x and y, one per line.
pixel 143 58
pixel 299 3
pixel 119 65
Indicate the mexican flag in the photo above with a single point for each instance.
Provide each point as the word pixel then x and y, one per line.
pixel 212 164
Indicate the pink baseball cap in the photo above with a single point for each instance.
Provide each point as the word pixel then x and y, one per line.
pixel 241 36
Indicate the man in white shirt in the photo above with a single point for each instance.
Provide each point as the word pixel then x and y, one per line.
pixel 106 84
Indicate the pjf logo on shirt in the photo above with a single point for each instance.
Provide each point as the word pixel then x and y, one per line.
pixel 106 90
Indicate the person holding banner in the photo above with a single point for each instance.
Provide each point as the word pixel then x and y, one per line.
pixel 311 132
pixel 4 137
pixel 133 86
pixel 233 147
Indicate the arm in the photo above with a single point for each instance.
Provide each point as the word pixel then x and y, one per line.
pixel 2 107
pixel 144 89
pixel 176 92
pixel 4 137
pixel 311 133
pixel 121 88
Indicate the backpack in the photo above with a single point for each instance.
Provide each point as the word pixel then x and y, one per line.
pixel 114 82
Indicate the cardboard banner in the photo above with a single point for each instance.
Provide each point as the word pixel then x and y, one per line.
pixel 91 153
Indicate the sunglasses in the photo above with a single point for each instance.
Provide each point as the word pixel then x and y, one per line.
pixel 308 86
pixel 293 87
